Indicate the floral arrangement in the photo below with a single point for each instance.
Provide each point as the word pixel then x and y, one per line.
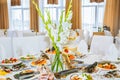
pixel 58 33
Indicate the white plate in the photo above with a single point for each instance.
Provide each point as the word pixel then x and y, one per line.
pixel 77 74
pixel 73 74
pixel 10 64
pixel 108 69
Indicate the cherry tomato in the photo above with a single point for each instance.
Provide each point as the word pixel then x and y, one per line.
pixel 66 50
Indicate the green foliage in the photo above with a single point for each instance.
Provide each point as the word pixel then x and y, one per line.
pixel 88 77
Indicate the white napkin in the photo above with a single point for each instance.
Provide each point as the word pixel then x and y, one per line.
pixel 111 54
pixel 82 47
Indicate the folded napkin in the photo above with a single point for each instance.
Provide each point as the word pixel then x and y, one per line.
pixel 111 54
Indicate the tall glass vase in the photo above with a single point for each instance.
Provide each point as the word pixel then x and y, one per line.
pixel 57 63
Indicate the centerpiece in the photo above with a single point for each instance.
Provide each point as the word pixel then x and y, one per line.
pixel 58 33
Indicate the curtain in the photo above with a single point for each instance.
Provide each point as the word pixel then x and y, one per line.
pixel 97 1
pixel 76 8
pixel 112 15
pixel 4 21
pixel 34 18
pixel 52 1
pixel 15 2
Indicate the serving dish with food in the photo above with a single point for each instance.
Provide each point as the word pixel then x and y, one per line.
pixel 112 74
pixel 39 62
pixel 9 62
pixel 20 66
pixel 27 58
pixel 4 78
pixel 106 66
pixel 25 74
pixel 16 67
pixel 79 76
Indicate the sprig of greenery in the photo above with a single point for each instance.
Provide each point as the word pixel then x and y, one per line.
pixel 87 76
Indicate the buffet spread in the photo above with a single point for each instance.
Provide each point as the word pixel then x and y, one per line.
pixel 77 67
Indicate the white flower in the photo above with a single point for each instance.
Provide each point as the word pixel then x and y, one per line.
pixel 66 25
pixel 59 46
pixel 63 38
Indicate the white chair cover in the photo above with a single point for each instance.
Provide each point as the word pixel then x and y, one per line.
pixel 6 47
pixel 81 33
pixel 86 36
pixel 2 33
pixel 18 33
pixel 29 45
pixel 117 44
pixel 107 33
pixel 28 34
pixel 82 47
pixel 11 33
pixel 2 52
pixel 40 33
pixel 99 44
pixel 111 53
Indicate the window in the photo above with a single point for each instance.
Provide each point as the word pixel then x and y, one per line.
pixel 55 10
pixel 19 16
pixel 92 15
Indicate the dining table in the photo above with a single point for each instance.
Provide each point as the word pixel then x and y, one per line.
pixel 87 59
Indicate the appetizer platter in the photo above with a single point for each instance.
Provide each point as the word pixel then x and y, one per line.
pixel 16 67
pixel 3 78
pixel 39 62
pixel 79 76
pixel 27 58
pixel 9 62
pixel 112 74
pixel 106 66
pixel 25 74
pixel 20 66
pixel 6 69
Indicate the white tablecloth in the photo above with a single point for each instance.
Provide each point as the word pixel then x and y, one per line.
pixel 89 59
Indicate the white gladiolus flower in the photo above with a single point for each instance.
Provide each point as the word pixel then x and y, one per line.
pixel 66 25
pixel 60 46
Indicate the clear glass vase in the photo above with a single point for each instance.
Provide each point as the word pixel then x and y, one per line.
pixel 57 62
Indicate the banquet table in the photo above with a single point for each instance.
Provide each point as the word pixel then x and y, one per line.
pixel 88 59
